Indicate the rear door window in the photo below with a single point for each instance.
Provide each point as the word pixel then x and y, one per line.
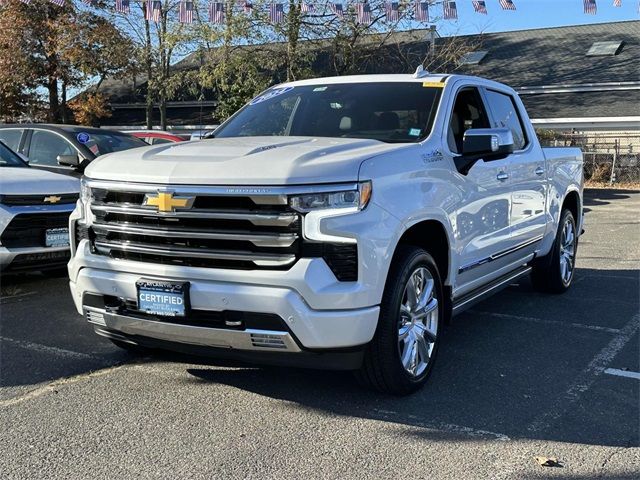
pixel 11 137
pixel 505 115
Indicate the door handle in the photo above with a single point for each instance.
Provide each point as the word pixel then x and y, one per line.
pixel 539 171
pixel 502 176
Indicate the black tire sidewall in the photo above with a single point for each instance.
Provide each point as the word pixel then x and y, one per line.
pixel 558 245
pixel 410 259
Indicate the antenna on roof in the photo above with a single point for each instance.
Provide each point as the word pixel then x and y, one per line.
pixel 420 72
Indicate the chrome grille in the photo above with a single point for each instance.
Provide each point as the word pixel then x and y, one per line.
pixel 216 230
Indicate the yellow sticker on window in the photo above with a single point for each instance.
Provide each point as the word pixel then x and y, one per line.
pixel 433 84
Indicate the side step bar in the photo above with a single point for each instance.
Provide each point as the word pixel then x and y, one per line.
pixel 470 299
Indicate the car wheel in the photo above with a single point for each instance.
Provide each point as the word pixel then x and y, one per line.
pixel 401 355
pixel 554 272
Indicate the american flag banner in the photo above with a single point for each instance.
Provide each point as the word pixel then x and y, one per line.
pixel 247 7
pixel 450 10
pixel 363 13
pixel 216 12
pixel 306 7
pixel 26 2
pixel 337 9
pixel 89 2
pixel 276 13
pixel 185 12
pixel 421 11
pixel 507 5
pixel 617 3
pixel 480 6
pixel 60 3
pixel 122 6
pixel 153 11
pixel 392 10
pixel 590 7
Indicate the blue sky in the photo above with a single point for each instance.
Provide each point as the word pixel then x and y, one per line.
pixel 532 14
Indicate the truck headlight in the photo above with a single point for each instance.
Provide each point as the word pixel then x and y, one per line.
pixel 345 199
pixel 85 198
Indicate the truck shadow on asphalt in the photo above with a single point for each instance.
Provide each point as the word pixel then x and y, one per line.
pixel 501 368
pixel 594 197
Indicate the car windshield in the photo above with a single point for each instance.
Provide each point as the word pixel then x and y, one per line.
pixel 389 112
pixel 8 158
pixel 101 143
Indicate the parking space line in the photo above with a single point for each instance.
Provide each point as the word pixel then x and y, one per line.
pixel 444 427
pixel 587 377
pixel 51 387
pixel 38 347
pixel 560 323
pixel 622 373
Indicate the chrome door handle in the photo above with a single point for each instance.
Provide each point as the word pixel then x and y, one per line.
pixel 502 176
pixel 539 171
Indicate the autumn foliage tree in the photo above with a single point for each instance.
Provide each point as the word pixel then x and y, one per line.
pixel 45 47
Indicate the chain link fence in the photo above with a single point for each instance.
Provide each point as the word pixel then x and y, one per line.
pixel 608 157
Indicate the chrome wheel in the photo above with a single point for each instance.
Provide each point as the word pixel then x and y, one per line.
pixel 567 251
pixel 418 322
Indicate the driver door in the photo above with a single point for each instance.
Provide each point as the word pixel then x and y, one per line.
pixel 481 221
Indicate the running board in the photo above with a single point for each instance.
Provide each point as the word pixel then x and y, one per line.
pixel 471 298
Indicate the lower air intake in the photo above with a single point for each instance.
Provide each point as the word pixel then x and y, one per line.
pixel 267 341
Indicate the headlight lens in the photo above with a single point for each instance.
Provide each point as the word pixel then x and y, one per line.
pixel 333 200
pixel 85 192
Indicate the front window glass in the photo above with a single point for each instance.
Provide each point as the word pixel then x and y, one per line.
pixel 9 159
pixel 11 138
pixel 101 143
pixel 389 112
pixel 46 146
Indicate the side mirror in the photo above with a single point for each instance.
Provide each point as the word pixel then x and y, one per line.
pixel 68 160
pixel 484 143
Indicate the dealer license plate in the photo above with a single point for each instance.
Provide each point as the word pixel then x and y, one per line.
pixel 157 297
pixel 56 237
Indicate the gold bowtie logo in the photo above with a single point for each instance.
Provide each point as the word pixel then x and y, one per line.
pixel 166 202
pixel 52 199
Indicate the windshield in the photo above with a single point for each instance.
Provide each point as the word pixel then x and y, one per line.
pixel 389 112
pixel 101 143
pixel 8 158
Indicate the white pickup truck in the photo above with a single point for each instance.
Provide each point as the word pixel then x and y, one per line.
pixel 334 223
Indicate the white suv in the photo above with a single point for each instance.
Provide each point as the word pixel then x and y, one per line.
pixel 34 216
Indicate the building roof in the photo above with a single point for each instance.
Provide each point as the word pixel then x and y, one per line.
pixel 530 61
pixel 558 56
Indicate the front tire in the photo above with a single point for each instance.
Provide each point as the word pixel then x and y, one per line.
pixel 401 355
pixel 554 272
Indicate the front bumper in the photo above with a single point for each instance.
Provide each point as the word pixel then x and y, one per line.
pixel 303 327
pixel 16 260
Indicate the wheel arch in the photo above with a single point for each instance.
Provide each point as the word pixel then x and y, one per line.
pixel 573 203
pixel 432 236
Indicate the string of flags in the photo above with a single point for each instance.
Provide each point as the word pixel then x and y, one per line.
pixel 393 10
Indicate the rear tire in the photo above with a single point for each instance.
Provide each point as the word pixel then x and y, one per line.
pixel 554 272
pixel 400 357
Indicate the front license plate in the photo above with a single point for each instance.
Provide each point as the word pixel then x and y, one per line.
pixel 168 299
pixel 56 237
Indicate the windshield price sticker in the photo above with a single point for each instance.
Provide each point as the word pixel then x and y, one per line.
pixel 270 94
pixel 433 84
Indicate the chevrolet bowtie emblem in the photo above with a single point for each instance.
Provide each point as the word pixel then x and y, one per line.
pixel 52 199
pixel 166 202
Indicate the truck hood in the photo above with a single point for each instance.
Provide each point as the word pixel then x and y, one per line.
pixel 32 181
pixel 241 161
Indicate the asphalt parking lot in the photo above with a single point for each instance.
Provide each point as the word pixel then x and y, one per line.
pixel 521 375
